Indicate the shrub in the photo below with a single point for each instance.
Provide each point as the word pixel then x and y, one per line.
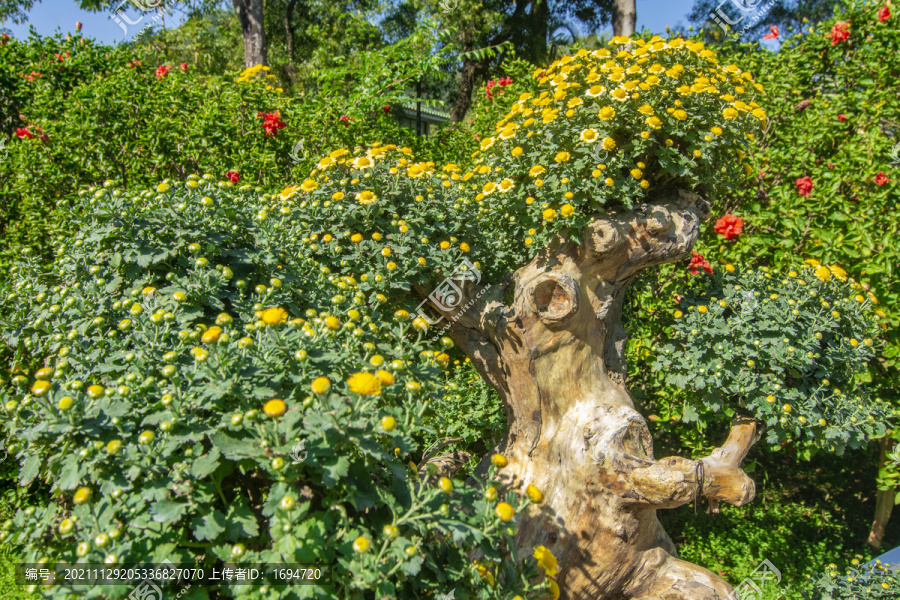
pixel 783 347
pixel 155 364
pixel 192 341
pixel 129 116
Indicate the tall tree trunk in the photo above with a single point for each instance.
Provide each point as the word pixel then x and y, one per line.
pixel 468 76
pixel 540 18
pixel 250 16
pixel 289 34
pixel 884 500
pixel 624 17
pixel 555 355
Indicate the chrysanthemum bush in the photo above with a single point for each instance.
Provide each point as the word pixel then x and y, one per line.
pixel 872 581
pixel 785 347
pixel 190 335
pixel 602 128
pixel 126 114
pixel 189 341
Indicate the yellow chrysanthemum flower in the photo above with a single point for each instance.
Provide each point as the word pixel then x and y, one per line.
pixel 607 113
pixel 366 197
pixel 274 316
pixel 546 560
pixel 366 384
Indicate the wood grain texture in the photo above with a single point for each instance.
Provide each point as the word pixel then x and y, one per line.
pixel 555 354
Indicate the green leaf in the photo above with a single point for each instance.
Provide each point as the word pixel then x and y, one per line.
pixel 167 511
pixel 206 464
pixel 208 527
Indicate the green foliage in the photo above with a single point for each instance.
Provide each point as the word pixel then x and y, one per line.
pixel 870 581
pixel 136 127
pixel 786 348
pixel 470 409
pixel 847 221
pixel 192 340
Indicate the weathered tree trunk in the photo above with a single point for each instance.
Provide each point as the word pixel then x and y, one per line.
pixel 471 70
pixel 250 16
pixel 555 354
pixel 884 501
pixel 624 17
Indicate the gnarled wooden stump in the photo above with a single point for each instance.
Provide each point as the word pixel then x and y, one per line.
pixel 555 354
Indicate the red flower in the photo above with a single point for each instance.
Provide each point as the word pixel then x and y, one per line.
pixel 183 66
pixel 729 226
pixel 698 263
pixel 840 33
pixel 773 33
pixel 842 117
pixel 344 118
pixel 487 89
pixel 505 81
pixel 271 122
pixel 884 14
pixel 881 179
pixel 804 186
pixel 387 108
pixel 162 70
pixel 233 176
pixel 23 132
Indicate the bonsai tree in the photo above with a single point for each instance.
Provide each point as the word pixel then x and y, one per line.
pixel 228 374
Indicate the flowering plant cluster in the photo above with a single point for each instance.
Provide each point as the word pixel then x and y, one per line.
pixel 610 127
pixel 871 581
pixel 183 343
pixel 786 348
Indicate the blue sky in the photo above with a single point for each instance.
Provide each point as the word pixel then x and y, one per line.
pixel 51 15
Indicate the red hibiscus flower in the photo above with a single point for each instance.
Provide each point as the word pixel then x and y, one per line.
pixel 271 122
pixel 842 117
pixel 162 71
pixel 387 108
pixel 881 179
pixel 773 33
pixel 884 14
pixel 183 66
pixel 698 263
pixel 804 186
pixel 840 33
pixel 487 89
pixel 729 226
pixel 233 176
pixel 23 133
